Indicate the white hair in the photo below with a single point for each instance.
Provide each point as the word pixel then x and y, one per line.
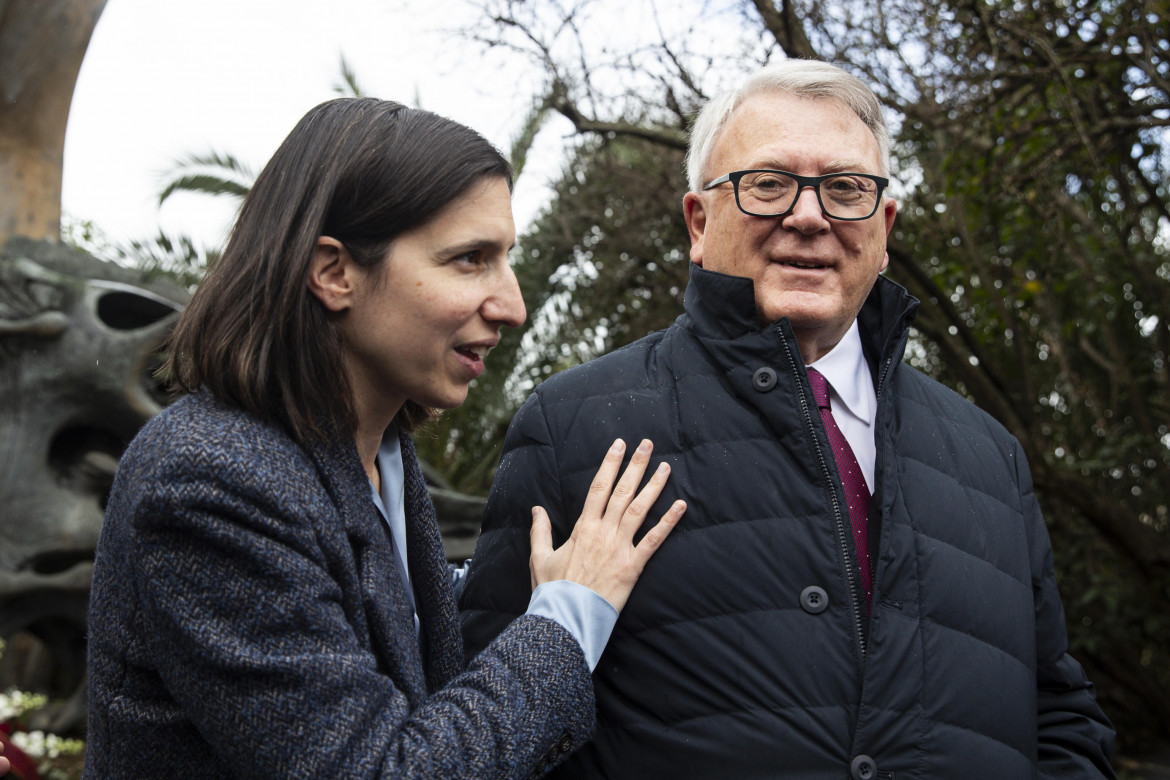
pixel 803 78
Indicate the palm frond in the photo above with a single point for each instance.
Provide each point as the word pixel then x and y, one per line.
pixel 177 257
pixel 348 86
pixel 204 183
pixel 211 173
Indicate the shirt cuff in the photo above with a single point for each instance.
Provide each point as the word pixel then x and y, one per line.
pixel 583 613
pixel 459 577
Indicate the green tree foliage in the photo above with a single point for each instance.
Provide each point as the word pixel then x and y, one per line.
pixel 176 257
pixel 1038 236
pixel 606 265
pixel 1030 159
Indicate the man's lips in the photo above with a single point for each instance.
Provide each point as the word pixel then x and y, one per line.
pixel 803 265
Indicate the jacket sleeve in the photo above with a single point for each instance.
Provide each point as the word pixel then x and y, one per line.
pixel 499 584
pixel 250 633
pixel 1075 737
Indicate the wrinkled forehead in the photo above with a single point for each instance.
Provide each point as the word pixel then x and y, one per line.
pixel 768 128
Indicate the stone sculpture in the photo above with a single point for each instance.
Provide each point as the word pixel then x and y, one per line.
pixel 79 341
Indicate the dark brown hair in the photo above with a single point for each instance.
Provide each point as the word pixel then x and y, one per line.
pixel 360 170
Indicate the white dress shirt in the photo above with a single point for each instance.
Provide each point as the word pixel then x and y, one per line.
pixel 852 397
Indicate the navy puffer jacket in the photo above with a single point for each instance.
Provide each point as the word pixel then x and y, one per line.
pixel 746 649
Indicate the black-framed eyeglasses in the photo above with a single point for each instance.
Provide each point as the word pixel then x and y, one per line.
pixel 849 197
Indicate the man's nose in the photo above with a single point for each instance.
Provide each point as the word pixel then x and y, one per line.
pixel 806 215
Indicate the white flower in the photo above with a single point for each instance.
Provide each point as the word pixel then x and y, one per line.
pixel 13 704
pixel 31 742
pixel 38 744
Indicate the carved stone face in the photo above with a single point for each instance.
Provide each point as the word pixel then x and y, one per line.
pixel 79 341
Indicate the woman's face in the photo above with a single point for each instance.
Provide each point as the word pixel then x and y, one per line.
pixel 422 322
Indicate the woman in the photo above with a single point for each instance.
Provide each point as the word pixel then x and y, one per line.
pixel 270 595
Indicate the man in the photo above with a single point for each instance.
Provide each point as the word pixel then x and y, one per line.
pixel 862 585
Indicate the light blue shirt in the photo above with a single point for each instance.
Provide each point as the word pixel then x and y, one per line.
pixel 580 610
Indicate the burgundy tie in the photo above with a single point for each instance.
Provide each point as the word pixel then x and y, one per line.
pixel 856 492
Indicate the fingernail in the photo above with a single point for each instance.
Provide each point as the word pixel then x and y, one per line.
pixel 617 447
pixel 663 467
pixel 645 446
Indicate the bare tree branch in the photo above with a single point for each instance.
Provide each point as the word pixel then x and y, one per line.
pixel 785 26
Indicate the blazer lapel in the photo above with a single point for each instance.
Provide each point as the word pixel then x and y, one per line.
pixel 385 606
pixel 431 576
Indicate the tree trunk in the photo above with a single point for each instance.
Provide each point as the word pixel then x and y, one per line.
pixel 42 43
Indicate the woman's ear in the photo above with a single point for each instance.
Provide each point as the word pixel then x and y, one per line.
pixel 333 274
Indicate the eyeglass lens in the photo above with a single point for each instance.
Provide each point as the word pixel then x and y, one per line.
pixel 772 193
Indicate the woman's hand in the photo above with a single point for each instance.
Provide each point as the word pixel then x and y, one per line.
pixel 600 553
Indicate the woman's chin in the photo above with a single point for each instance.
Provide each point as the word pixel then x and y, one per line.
pixel 449 400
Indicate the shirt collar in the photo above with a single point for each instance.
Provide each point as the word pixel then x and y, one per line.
pixel 845 369
pixel 389 465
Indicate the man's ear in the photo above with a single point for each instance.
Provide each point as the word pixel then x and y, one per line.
pixel 889 211
pixel 333 274
pixel 695 214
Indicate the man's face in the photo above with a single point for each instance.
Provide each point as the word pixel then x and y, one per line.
pixel 811 269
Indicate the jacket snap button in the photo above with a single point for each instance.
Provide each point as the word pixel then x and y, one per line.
pixel 863 768
pixel 814 600
pixel 764 379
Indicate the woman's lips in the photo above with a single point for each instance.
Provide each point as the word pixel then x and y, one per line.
pixel 471 356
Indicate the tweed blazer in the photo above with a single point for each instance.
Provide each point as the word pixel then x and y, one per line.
pixel 247 619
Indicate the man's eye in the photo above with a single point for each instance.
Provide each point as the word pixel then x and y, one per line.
pixel 844 185
pixel 770 183
pixel 474 257
pixel 767 186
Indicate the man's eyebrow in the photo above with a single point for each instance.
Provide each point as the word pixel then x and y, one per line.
pixel 834 166
pixel 843 166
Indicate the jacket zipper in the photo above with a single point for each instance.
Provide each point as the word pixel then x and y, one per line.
pixel 843 542
pixel 882 376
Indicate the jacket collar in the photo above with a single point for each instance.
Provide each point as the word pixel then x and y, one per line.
pixel 341 472
pixel 721 306
pixel 430 574
pixel 718 305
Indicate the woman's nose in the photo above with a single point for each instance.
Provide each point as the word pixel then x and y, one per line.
pixel 506 304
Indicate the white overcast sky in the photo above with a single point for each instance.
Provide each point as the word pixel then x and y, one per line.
pixel 164 78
